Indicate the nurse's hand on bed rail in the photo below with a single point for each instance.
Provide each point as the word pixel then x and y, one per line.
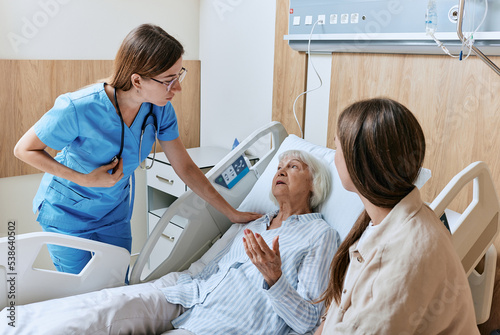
pixel 105 176
pixel 243 217
pixel 267 261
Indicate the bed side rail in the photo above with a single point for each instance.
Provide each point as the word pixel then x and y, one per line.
pixel 278 135
pixel 478 225
pixel 22 283
pixel 475 231
pixel 205 224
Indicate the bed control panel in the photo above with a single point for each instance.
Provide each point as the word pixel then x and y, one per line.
pixel 233 174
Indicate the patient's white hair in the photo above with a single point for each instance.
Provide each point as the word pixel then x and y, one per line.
pixel 321 179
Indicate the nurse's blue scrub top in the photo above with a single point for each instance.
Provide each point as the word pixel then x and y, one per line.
pixel 84 125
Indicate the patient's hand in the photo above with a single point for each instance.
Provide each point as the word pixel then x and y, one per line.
pixel 266 260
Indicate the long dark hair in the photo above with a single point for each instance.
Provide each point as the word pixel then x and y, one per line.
pixel 384 148
pixel 147 50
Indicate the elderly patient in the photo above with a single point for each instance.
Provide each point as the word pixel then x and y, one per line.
pixel 264 282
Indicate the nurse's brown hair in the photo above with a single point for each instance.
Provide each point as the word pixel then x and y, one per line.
pixel 384 148
pixel 148 50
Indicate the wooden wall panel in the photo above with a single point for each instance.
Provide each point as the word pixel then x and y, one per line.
pixel 187 105
pixel 28 88
pixel 457 104
pixel 290 75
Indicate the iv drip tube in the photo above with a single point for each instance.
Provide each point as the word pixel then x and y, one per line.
pixel 461 36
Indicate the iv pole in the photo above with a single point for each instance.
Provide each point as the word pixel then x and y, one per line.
pixel 478 52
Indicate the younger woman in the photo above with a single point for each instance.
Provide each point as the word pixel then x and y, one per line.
pixel 397 271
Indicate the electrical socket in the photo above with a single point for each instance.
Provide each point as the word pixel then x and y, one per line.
pixel 453 14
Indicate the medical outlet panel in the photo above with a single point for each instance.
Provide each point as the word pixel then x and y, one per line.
pixel 389 26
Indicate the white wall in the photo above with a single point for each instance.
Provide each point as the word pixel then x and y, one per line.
pixel 90 29
pixel 237 57
pixel 16 195
pixel 237 54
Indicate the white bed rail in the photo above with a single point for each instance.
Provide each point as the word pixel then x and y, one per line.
pixel 474 231
pixel 25 284
pixel 205 224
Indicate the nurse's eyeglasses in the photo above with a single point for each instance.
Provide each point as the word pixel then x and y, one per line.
pixel 169 84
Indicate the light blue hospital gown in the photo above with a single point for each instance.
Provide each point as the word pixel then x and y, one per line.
pixel 230 296
pixel 86 129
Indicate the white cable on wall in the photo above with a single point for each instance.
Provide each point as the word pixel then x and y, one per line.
pixel 316 71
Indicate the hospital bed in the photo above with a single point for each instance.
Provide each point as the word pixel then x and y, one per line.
pixel 246 187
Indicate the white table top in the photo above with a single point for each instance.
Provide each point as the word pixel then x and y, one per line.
pixel 203 157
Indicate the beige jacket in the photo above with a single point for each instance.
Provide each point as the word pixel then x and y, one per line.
pixel 405 278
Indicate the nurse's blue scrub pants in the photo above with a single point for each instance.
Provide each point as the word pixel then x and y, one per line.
pixel 72 260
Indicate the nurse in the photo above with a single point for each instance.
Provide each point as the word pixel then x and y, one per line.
pixel 85 191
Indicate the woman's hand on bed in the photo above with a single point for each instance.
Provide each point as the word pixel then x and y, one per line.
pixel 267 261
pixel 243 217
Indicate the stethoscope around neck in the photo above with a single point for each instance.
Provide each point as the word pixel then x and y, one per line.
pixel 145 125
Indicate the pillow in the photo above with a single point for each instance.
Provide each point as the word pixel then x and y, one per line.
pixel 340 209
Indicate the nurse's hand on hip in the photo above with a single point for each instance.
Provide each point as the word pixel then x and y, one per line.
pixel 107 175
pixel 32 150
